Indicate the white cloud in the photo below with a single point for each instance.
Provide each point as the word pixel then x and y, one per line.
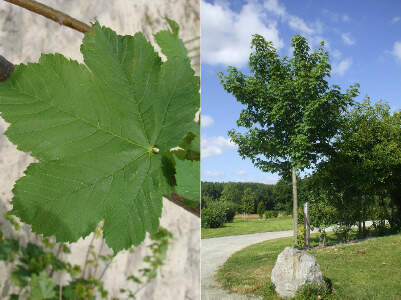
pixel 397 51
pixel 336 53
pixel 275 7
pixel 395 19
pixel 215 146
pixel 342 67
pixel 348 39
pixel 294 22
pixel 214 174
pixel 229 33
pixel 298 24
pixel 265 180
pixel 269 180
pixel 241 173
pixel 336 17
pixel 206 120
pixel 346 18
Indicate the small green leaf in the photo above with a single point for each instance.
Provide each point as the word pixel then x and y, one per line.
pixel 42 287
pixel 174 26
pixel 7 248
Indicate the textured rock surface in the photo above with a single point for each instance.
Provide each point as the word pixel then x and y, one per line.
pixel 24 35
pixel 293 269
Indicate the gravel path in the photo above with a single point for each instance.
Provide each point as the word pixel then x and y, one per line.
pixel 215 251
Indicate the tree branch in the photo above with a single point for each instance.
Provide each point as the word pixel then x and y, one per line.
pixel 177 200
pixel 52 14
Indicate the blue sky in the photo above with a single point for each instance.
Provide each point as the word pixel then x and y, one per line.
pixel 364 43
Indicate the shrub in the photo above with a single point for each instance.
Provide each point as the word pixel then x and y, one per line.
pixel 301 237
pixel 205 201
pixel 214 215
pixel 380 228
pixel 261 209
pixel 230 210
pixel 342 232
pixel 282 213
pixel 271 214
pixel 313 291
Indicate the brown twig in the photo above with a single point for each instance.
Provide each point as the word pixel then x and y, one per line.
pixel 177 199
pixel 52 14
pixel 105 269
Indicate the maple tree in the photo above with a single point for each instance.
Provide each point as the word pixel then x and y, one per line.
pixel 291 112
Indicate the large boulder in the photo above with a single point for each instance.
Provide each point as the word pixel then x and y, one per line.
pixel 293 269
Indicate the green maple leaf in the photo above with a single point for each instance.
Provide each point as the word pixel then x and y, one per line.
pixel 99 131
pixel 42 287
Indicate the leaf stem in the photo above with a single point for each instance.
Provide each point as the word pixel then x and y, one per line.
pixel 87 255
pixel 52 14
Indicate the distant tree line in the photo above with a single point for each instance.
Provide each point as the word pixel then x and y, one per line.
pixel 273 196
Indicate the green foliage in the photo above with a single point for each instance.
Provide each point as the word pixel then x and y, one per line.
pixel 232 192
pixel 42 287
pixel 300 237
pixel 260 209
pixel 247 201
pixel 33 266
pixel 102 133
pixel 360 181
pixel 269 214
pixel 313 291
pixel 269 291
pixel 230 210
pixel 212 189
pixel 282 193
pixel 8 247
pixel 342 232
pixel 291 112
pixel 214 215
pixel 307 292
pixel 205 200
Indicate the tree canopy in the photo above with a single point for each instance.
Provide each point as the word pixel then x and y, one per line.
pixel 291 113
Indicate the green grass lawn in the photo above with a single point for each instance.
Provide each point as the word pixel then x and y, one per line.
pixel 370 269
pixel 252 225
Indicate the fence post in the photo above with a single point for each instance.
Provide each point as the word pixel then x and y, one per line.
pixel 307 225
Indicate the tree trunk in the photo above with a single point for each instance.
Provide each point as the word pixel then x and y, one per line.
pixel 294 204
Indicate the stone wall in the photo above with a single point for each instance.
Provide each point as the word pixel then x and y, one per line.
pixel 23 36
